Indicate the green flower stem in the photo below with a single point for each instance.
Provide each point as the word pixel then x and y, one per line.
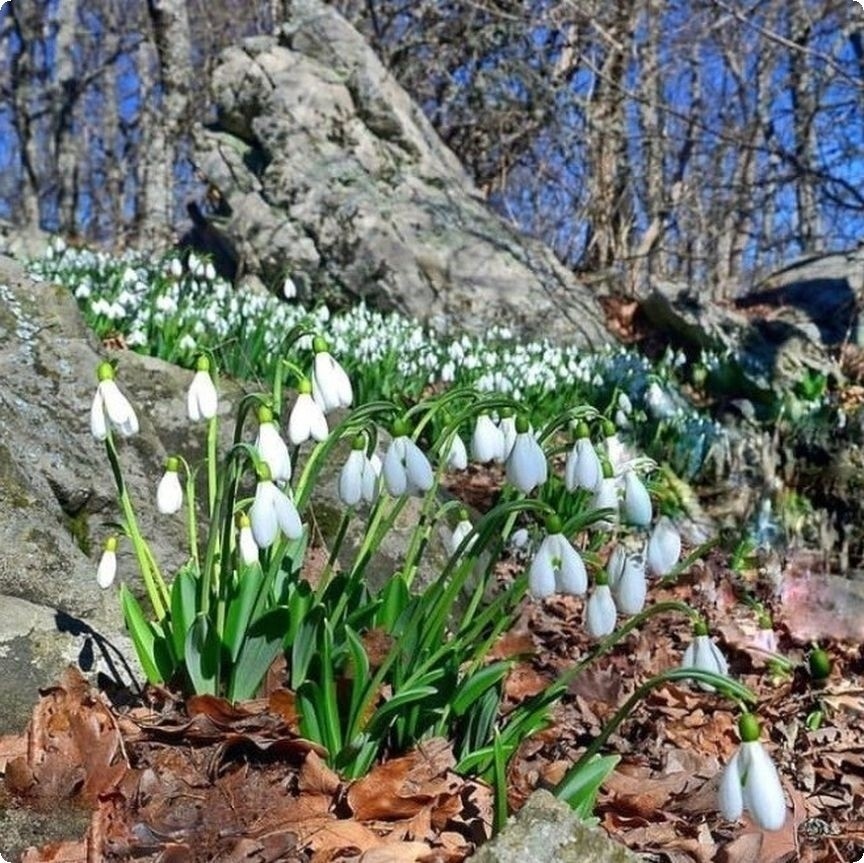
pixel 344 522
pixel 682 566
pixel 212 435
pixel 154 584
pixel 727 686
pixel 579 412
pixel 191 518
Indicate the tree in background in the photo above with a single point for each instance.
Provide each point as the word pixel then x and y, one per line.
pixel 688 139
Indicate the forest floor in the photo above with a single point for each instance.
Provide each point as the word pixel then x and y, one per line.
pixel 168 780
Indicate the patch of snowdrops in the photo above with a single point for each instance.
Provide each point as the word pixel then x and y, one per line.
pixel 243 598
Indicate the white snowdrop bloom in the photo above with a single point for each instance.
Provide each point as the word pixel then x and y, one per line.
pixel 526 465
pixel 624 404
pixel 615 564
pixel 169 492
pixel 358 479
pixel 272 449
pixel 460 532
pixel 600 612
pixel 202 400
pixel 636 504
pixel 583 468
pixel 406 469
pixel 82 292
pixel 306 419
pixel 176 268
pixel 209 271
pixel 272 511
pixel 455 454
pixel 703 653
pixel 106 572
pixel 557 566
pixel 606 497
pixel 246 541
pixel 658 403
pixel 508 433
pixel 615 450
pixel 187 343
pixel 331 387
pixel 631 588
pixel 100 307
pixel 110 408
pixel 487 441
pixel 289 289
pixel 165 303
pixel 664 546
pixel 750 781
pixel 520 538
pixel 136 338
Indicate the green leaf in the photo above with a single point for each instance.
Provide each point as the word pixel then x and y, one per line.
pixel 202 651
pixel 475 685
pixel 383 715
pixel 261 644
pixel 305 646
pixel 240 610
pixel 394 600
pixel 579 787
pixel 144 638
pixel 184 602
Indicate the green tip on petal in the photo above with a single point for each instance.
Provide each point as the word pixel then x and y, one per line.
pixel 359 442
pixel 265 415
pixel 202 364
pixel 463 514
pixel 105 371
pixel 582 430
pixel 608 472
pixel 319 345
pixel 263 471
pixel 111 543
pixel 401 427
pixel 608 428
pixel 172 463
pixel 554 524
pixel 304 386
pixel 506 412
pixel 243 520
pixel 700 626
pixel 748 728
pixel 522 424
pixel 765 621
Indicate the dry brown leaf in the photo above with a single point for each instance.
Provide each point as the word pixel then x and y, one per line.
pixel 395 852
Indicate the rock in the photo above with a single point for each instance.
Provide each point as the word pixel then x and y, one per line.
pixel 332 175
pixel 545 830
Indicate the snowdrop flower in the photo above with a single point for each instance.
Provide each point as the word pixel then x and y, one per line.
pixel 272 511
pixel 331 387
pixel 289 289
pixel 556 566
pixel 176 267
pixel 615 451
pixel 455 455
pixel 306 419
pixel 704 654
pixel 526 464
pixel 766 638
pixel 358 479
pixel 600 613
pixel 508 429
pixel 615 564
pixel 583 468
pixel 246 541
pixel 406 469
pixel 272 449
pixel 201 398
pixel 462 530
pixel 169 492
pixel 487 441
pixel 658 402
pixel 631 588
pixel 636 503
pixel 664 547
pixel 750 781
pixel 106 572
pixel 519 538
pixel 606 497
pixel 110 408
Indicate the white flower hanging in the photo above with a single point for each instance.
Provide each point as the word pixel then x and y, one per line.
pixel 583 468
pixel 246 541
pixel 106 572
pixel 750 781
pixel 358 479
pixel 664 547
pixel 636 503
pixel 526 465
pixel 487 441
pixel 704 654
pixel 110 408
pixel 406 469
pixel 272 449
pixel 455 454
pixel 169 493
pixel 631 588
pixel 306 419
pixel 271 511
pixel 556 566
pixel 202 400
pixel 331 386
pixel 600 612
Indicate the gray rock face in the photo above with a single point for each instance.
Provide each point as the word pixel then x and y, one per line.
pixel 334 177
pixel 546 830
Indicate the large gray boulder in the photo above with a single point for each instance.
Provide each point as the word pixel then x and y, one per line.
pixel 334 177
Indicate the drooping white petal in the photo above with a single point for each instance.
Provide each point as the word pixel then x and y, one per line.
pixel 395 474
pixel 762 791
pixel 664 547
pixel 487 442
pixel 201 398
pixel 572 576
pixel 248 546
pixel 169 493
pixel 262 515
pixel 287 516
pixel 98 420
pixel 274 451
pixel 118 408
pixel 462 529
pixel 331 386
pixel 583 469
pixel 106 572
pixel 636 505
pixel 351 478
pixel 507 427
pixel 615 565
pixel 729 795
pixel 631 589
pixel 704 654
pixel 606 497
pixel 417 467
pixel 541 575
pixel 306 420
pixel 371 472
pixel 600 612
pixel 526 465
pixel 455 455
